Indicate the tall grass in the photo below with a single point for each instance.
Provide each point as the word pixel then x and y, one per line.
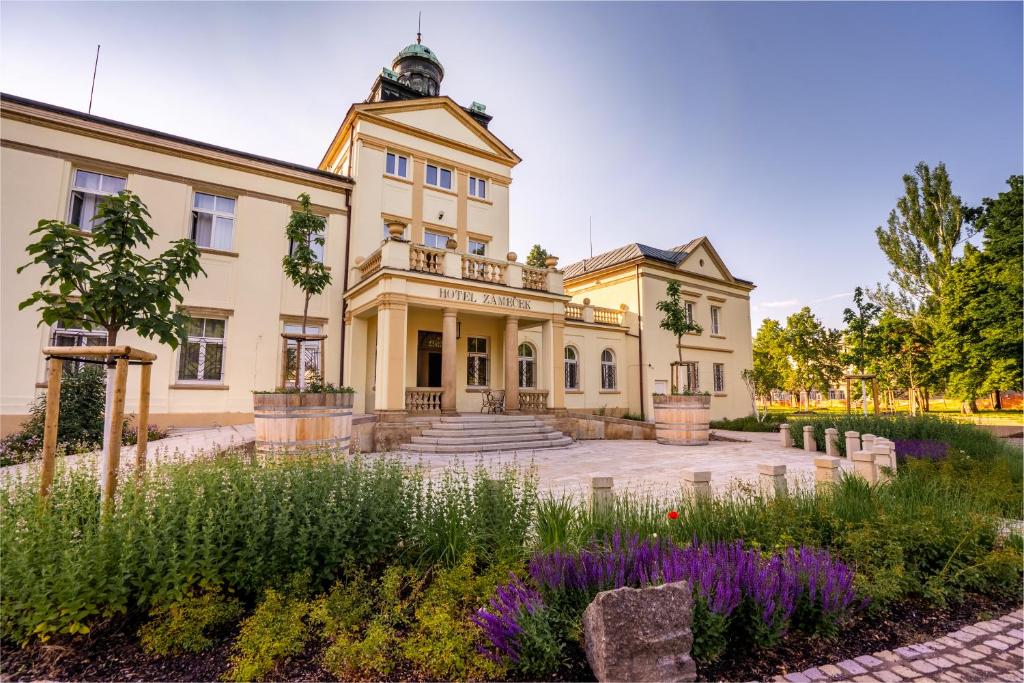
pixel 241 527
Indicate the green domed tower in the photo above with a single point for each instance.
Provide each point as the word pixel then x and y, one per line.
pixel 418 67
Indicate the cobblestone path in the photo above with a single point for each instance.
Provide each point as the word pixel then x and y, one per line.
pixel 987 651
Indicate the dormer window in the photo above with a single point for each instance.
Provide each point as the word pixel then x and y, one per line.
pixel 477 187
pixel 397 165
pixel 439 177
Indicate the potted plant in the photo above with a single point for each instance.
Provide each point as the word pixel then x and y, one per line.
pixel 682 417
pixel 312 414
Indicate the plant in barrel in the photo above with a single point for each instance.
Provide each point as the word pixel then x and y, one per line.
pixel 678 320
pixel 304 266
pixel 102 278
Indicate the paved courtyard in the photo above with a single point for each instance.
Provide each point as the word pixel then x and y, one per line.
pixel 634 465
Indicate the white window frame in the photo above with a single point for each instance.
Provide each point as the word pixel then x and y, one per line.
pixel 437 170
pixel 609 371
pixel 444 237
pixel 718 377
pixel 81 190
pixel 478 187
pixel 471 249
pixel 80 337
pixel 214 215
pixel 203 342
pixel 687 376
pixel 574 363
pixel 688 309
pixel 290 345
pixel 716 319
pixel 528 359
pixel 486 355
pixel 397 164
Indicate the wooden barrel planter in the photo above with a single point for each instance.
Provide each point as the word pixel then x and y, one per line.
pixel 302 421
pixel 682 420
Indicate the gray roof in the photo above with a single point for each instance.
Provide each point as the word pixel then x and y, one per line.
pixel 626 254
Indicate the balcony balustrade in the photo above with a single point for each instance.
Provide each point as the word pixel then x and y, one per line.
pixel 423 400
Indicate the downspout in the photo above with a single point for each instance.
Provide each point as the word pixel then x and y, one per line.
pixel 640 339
pixel 348 246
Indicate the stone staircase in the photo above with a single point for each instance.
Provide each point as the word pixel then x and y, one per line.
pixel 487 434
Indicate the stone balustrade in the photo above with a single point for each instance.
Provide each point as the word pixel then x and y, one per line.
pixel 533 400
pixel 573 311
pixel 535 278
pixel 423 400
pixel 426 260
pixel 483 269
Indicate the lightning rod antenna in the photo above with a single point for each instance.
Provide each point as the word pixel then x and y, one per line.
pixel 92 88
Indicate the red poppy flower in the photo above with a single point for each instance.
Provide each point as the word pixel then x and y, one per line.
pixel 673 515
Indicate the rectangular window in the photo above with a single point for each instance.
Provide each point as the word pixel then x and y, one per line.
pixel 201 358
pixel 312 353
pixel 87 190
pixel 397 165
pixel 316 245
pixel 716 313
pixel 477 248
pixel 477 362
pixel 439 177
pixel 686 377
pixel 688 307
pixel 76 336
pixel 435 240
pixel 477 187
pixel 719 371
pixel 213 221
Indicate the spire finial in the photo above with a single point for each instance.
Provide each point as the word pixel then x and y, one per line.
pixel 419 26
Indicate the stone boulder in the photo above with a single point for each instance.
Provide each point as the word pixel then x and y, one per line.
pixel 641 634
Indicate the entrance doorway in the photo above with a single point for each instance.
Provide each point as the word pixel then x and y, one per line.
pixel 428 359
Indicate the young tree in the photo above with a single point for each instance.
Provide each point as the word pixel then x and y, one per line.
pixel 813 352
pixel 902 359
pixel 102 280
pixel 771 361
pixel 676 320
pixel 922 232
pixel 980 332
pixel 858 339
pixel 304 268
pixel 537 256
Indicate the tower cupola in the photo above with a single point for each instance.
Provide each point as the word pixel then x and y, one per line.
pixel 418 67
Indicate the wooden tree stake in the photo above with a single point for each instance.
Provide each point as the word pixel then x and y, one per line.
pixel 143 420
pixel 53 377
pixel 109 484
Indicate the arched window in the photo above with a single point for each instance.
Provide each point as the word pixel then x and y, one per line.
pixel 527 367
pixel 572 368
pixel 608 380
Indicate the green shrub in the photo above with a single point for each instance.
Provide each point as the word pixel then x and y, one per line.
pixel 750 423
pixel 368 656
pixel 186 624
pixel 241 526
pixel 275 631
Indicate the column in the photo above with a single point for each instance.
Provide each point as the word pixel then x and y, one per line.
pixel 553 339
pixel 357 352
pixel 511 364
pixel 448 360
pixel 391 352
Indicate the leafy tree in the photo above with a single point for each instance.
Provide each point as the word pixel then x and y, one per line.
pixel 858 340
pixel 303 267
pixel 103 280
pixel 771 360
pixel 537 256
pixel 902 357
pixel 813 352
pixel 676 320
pixel 980 332
pixel 919 240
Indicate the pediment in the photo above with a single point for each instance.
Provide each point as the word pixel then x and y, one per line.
pixel 702 259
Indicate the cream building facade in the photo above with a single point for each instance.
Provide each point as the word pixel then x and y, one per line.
pixel 429 311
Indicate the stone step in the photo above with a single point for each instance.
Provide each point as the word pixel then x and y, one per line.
pixel 563 442
pixel 484 417
pixel 484 440
pixel 490 430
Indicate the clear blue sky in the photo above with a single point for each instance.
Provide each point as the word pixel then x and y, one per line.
pixel 781 131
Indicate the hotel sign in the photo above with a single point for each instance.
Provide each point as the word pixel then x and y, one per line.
pixel 486 299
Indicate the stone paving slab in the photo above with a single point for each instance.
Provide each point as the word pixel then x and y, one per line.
pixel 990 650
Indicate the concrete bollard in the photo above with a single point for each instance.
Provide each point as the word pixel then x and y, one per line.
pixel 864 466
pixel 785 438
pixel 810 445
pixel 885 458
pixel 602 498
pixel 772 479
pixel 867 441
pixel 697 483
pixel 832 442
pixel 826 471
pixel 852 443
